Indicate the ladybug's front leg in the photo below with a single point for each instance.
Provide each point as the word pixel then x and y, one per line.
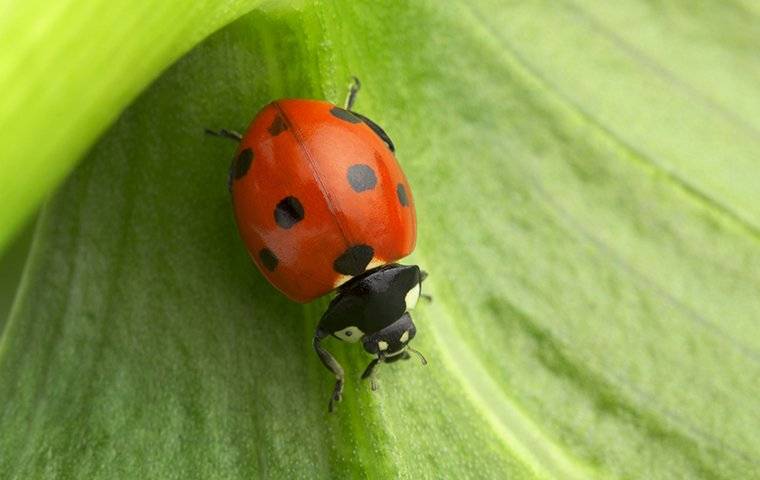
pixel 329 361
pixel 370 373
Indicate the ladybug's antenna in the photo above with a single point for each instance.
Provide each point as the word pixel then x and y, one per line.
pixel 422 357
pixel 353 89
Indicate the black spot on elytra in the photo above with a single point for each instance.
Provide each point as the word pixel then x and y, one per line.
pixel 378 131
pixel 344 114
pixel 401 193
pixel 361 177
pixel 288 212
pixel 278 125
pixel 243 163
pixel 354 260
pixel 268 259
pixel 240 166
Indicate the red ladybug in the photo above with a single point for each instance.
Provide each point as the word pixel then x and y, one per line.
pixel 322 204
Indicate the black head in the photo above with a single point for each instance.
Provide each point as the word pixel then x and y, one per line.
pixel 390 342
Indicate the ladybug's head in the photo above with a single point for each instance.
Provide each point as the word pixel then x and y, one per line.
pixel 391 342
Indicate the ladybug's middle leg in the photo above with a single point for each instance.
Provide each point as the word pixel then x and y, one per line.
pixel 224 133
pixel 426 296
pixel 329 361
pixel 353 89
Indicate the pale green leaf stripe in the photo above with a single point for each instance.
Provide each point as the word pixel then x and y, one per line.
pixel 67 68
pixel 700 86
pixel 11 267
pixel 510 424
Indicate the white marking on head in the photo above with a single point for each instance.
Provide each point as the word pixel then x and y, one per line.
pixel 404 337
pixel 412 296
pixel 350 334
pixel 382 346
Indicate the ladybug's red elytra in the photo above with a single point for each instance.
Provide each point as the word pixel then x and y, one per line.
pixel 322 204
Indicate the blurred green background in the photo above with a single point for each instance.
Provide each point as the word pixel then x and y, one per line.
pixel 588 191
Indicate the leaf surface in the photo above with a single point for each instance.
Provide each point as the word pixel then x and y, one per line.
pixel 588 212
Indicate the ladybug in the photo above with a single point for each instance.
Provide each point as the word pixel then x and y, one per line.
pixel 322 205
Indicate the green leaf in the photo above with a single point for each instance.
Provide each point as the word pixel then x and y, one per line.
pixel 11 268
pixel 68 68
pixel 587 192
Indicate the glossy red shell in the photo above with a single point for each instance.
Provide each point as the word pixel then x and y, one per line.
pixel 305 149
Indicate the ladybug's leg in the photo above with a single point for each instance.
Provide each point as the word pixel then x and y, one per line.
pixel 370 373
pixel 224 133
pixel 428 297
pixel 329 361
pixel 353 89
